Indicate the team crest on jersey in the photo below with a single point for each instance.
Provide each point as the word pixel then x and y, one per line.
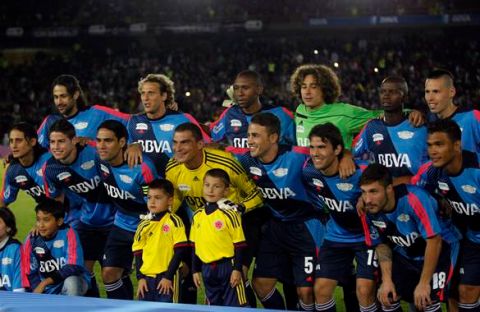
pixel 59 243
pixel 443 186
pixel 39 251
pixel 141 127
pixel 167 127
pixel 280 172
pixel 88 165
pixel 218 225
pixel 379 224
pixel 7 261
pixel 300 128
pixel 374 233
pixel 217 128
pixel 403 217
pixel 126 179
pixel 184 187
pixel 21 179
pixel 378 138
pixel 104 169
pixel 81 125
pixel 318 183
pixel 256 171
pixel 165 228
pixel 469 189
pixel 405 135
pixel 235 124
pixel 345 186
pixel 40 172
pixel 64 176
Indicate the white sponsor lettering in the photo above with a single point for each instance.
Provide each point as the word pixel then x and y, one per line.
pixel 394 160
pixel 36 191
pixel 115 192
pixel 85 186
pixel 240 142
pixel 404 241
pixel 52 265
pixel 151 146
pixel 273 193
pixel 5 281
pixel 339 206
pixel 468 209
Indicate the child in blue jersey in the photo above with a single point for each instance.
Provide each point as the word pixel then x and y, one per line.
pixel 10 253
pixel 53 259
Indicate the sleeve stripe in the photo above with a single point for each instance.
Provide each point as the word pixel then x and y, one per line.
pixel 171 164
pixel 227 162
pixel 175 221
pixel 366 230
pixel 113 112
pixel 25 267
pixel 416 178
pixel 72 246
pixel 421 213
pixel 206 137
pixel 147 173
pixel 140 228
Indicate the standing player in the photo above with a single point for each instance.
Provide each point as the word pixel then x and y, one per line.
pixel 72 171
pixel 439 94
pixel 393 141
pixel 154 129
pixel 417 250
pixel 344 237
pixel 453 177
pixel 71 104
pixel 232 125
pixel 293 233
pixel 125 188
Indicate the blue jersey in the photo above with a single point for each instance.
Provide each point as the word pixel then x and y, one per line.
pixel 280 183
pixel 125 186
pixel 10 270
pixel 406 228
pixel 28 179
pixel 232 125
pixel 81 180
pixel 156 135
pixel 401 148
pixel 469 122
pixel 462 192
pixel 57 258
pixel 85 121
pixel 339 197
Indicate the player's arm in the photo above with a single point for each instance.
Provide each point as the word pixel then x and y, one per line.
pixel 139 241
pixel 17 271
pixel 248 190
pixel 346 166
pixel 171 175
pixel 30 273
pixel 423 289
pixel 74 255
pixel 53 189
pixel 180 247
pixel 9 190
pixel 387 293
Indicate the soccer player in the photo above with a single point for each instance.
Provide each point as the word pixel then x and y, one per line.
pixel 417 249
pixel 159 246
pixel 218 243
pixel 72 172
pixel 393 141
pixel 10 253
pixel 71 104
pixel 293 232
pixel 125 188
pixel 344 238
pixel 232 125
pixel 453 177
pixel 53 260
pixel 154 129
pixel 439 93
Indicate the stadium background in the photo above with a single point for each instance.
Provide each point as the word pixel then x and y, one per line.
pixel 202 44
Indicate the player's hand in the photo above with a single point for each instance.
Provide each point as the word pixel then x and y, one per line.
pixel 133 154
pixel 34 231
pixel 197 279
pixel 387 294
pixel 142 288
pixel 421 296
pixel 235 278
pixel 82 141
pixel 173 106
pixel 416 118
pixel 445 208
pixel 165 286
pixel 41 286
pixel 346 167
pixel 226 204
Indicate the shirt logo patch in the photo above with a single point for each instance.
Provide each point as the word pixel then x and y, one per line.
pixel 256 171
pixel 318 183
pixel 218 225
pixel 405 135
pixel 166 228
pixel 58 243
pixel 40 172
pixel 184 187
pixel 217 128
pixel 7 261
pixel 469 189
pixel 379 224
pixel 443 186
pixel 167 127
pixel 88 165
pixel 280 172
pixel 300 128
pixel 235 123
pixel 403 217
pixel 141 126
pixel 21 179
pixel 63 176
pixel 39 251
pixel 126 179
pixel 81 125
pixel 104 169
pixel 344 186
pixel 377 138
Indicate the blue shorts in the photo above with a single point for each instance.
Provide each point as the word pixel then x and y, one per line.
pixel 93 241
pixel 469 262
pixel 334 259
pixel 153 294
pixel 118 250
pixel 288 248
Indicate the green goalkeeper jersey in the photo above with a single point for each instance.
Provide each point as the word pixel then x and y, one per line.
pixel 349 119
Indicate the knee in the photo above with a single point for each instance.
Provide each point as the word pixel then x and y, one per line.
pixel 262 287
pixel 468 293
pixel 111 274
pixel 74 286
pixel 365 289
pixel 305 294
pixel 324 290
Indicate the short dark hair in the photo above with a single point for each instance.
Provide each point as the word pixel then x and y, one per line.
pixel 162 184
pixel 63 126
pixel 220 174
pixel 330 133
pixel 402 83
pixel 72 85
pixel 52 206
pixel 193 128
pixel 251 74
pixel 9 219
pixel 374 173
pixel 267 120
pixel 442 73
pixel 116 127
pixel 447 126
pixel 29 133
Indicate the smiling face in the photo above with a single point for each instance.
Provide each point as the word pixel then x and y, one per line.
pixel 439 96
pixel 62 147
pixel 260 142
pixel 324 156
pixel 65 102
pixel 47 225
pixel 441 149
pixel 187 150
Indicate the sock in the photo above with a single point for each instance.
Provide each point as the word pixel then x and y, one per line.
pixel 434 307
pixel 305 307
pixel 116 290
pixel 251 298
pixel 470 307
pixel 128 287
pixel 328 306
pixel 93 290
pixel 370 308
pixel 291 297
pixel 273 300
pixel 393 308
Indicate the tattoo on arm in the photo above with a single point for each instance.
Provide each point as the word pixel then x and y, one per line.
pixel 384 253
